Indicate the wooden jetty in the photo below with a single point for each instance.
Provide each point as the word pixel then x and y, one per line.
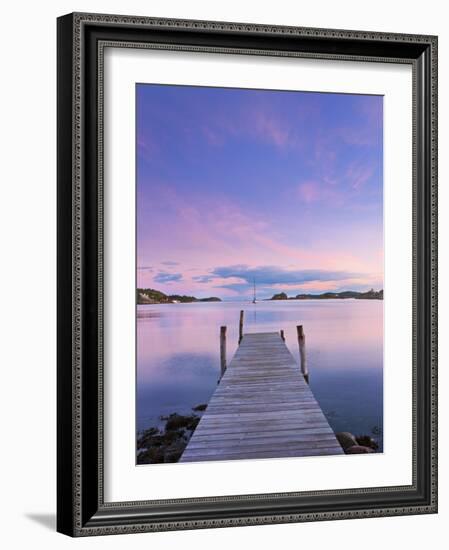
pixel 262 408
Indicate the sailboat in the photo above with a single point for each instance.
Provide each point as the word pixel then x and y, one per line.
pixel 254 296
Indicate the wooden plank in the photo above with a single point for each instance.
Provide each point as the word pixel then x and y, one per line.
pixel 271 436
pixel 215 433
pixel 247 451
pixel 262 408
pixel 287 440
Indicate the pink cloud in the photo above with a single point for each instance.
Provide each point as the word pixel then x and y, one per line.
pixel 213 137
pixel 309 191
pixel 201 232
pixel 357 175
pixel 336 190
pixel 312 191
pixel 365 136
pixel 374 281
pixel 257 123
pixel 271 129
pixel 148 146
pixel 367 133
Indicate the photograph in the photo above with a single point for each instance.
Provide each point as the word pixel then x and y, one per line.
pixel 259 274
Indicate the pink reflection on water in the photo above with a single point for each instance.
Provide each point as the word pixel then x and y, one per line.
pixel 349 331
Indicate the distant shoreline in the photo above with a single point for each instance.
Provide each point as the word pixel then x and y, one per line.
pixel 345 295
pixel 149 296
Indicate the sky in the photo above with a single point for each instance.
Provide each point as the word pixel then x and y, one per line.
pixel 281 187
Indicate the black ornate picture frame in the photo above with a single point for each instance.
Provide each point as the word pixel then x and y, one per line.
pixel 81 509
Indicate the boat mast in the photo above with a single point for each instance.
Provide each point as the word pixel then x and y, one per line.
pixel 254 298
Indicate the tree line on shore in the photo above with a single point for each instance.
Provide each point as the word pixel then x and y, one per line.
pixel 152 296
pixel 369 295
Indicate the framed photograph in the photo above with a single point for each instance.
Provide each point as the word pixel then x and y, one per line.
pixel 247 278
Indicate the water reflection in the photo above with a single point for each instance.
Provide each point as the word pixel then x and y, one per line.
pixel 178 355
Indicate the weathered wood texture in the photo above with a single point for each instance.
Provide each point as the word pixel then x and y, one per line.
pixel 223 350
pixel 262 408
pixel 242 313
pixel 302 352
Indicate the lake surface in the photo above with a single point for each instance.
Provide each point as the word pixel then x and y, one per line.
pixel 178 355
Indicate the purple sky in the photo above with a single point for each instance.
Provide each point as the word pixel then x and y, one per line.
pixel 235 185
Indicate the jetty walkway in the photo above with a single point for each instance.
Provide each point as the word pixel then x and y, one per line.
pixel 262 408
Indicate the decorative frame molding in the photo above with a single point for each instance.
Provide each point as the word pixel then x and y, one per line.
pixel 81 41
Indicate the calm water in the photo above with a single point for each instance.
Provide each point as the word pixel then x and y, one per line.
pixel 178 362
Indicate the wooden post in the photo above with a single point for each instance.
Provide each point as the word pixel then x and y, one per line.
pixel 282 335
pixel 302 352
pixel 242 313
pixel 222 350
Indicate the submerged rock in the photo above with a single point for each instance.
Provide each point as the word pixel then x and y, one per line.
pixel 367 441
pixel 176 421
pixel 155 446
pixel 346 440
pixel 358 449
